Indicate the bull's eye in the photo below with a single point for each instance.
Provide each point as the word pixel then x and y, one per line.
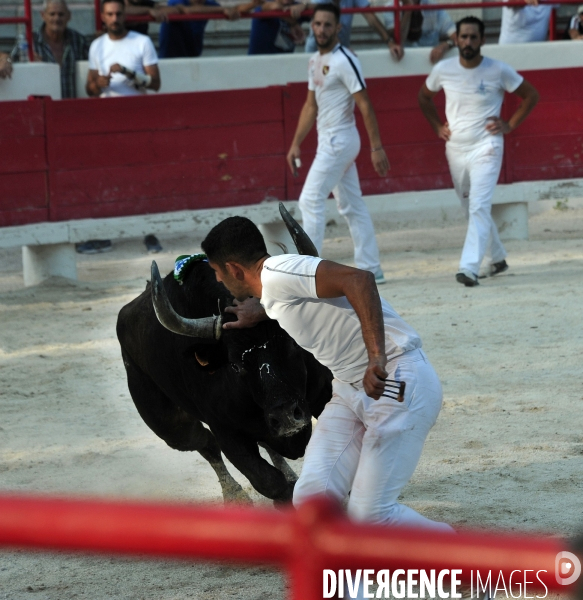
pixel 238 369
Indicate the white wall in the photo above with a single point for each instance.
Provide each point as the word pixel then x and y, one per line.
pixel 240 72
pixel 32 79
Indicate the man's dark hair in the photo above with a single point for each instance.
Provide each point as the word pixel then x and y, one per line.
pixel 470 21
pixel 234 239
pixel 328 7
pixel 104 2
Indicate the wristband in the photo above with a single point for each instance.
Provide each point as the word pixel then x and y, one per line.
pixel 450 43
pixel 376 149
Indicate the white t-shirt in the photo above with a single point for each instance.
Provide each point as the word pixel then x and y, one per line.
pixel 334 77
pixel 472 95
pixel 134 51
pixel 528 24
pixel 329 328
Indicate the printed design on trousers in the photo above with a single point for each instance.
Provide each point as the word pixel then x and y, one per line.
pixel 394 389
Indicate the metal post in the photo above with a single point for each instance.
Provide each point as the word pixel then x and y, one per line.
pixel 28 28
pixel 397 14
pixel 553 26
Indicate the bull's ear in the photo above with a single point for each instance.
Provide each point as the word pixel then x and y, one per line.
pixel 301 239
pixel 209 328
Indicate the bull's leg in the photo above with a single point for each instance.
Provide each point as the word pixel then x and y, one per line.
pixel 280 463
pixel 178 429
pixel 244 455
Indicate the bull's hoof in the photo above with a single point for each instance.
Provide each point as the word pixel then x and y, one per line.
pixel 285 499
pixel 235 493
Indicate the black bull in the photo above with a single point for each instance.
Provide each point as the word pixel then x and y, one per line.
pixel 252 386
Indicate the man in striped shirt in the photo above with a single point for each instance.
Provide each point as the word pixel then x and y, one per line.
pixel 56 43
pixel 335 85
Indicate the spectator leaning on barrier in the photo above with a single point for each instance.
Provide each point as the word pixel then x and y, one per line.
pixel 146 7
pixel 529 23
pixel 346 21
pixel 54 42
pixel 121 63
pixel 575 29
pixel 424 28
pixel 274 36
pixel 5 66
pixel 185 38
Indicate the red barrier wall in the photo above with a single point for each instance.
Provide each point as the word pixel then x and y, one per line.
pixel 75 159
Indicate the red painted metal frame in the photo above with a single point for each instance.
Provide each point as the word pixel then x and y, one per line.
pixel 27 20
pixel 304 542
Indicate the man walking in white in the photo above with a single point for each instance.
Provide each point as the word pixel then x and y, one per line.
pixel 121 62
pixel 474 87
pixel 335 85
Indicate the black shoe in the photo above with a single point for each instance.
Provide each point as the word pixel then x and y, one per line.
pixel 93 246
pixel 467 280
pixel 498 267
pixel 152 244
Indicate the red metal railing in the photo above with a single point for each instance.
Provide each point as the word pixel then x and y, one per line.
pixel 27 20
pixel 397 9
pixel 317 536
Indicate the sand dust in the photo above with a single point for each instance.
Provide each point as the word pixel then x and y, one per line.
pixel 507 450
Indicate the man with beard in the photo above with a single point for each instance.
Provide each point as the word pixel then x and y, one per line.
pixel 474 87
pixel 335 85
pixel 121 62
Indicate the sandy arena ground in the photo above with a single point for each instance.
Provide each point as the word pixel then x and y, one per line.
pixel 507 451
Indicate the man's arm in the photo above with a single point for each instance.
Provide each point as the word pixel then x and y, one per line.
pixel 96 83
pixel 305 123
pixel 529 96
pixel 154 73
pixel 427 106
pixel 439 51
pixel 395 49
pixel 5 66
pixel 377 152
pixel 333 281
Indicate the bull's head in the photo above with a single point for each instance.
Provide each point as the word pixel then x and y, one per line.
pixel 264 359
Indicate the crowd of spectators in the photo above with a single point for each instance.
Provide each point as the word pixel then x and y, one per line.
pixel 55 42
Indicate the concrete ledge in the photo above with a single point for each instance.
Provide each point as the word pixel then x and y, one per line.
pixel 48 247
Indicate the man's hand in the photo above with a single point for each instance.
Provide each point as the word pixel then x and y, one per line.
pixel 438 52
pixel 5 66
pixel 443 132
pixel 103 81
pixel 249 313
pixel 296 10
pixel 292 155
pixel 496 125
pixel 159 15
pixel 374 377
pixel 380 162
pixel 115 68
pixel 231 12
pixel 395 50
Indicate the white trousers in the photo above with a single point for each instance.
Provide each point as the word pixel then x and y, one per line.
pixel 475 172
pixel 370 448
pixel 334 170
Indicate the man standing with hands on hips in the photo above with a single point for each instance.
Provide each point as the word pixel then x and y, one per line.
pixel 474 87
pixel 335 85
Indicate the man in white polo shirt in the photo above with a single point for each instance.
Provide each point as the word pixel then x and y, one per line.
pixel 474 87
pixel 335 84
pixel 121 62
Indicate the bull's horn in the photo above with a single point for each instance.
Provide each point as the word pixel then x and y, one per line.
pixel 301 239
pixel 205 328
